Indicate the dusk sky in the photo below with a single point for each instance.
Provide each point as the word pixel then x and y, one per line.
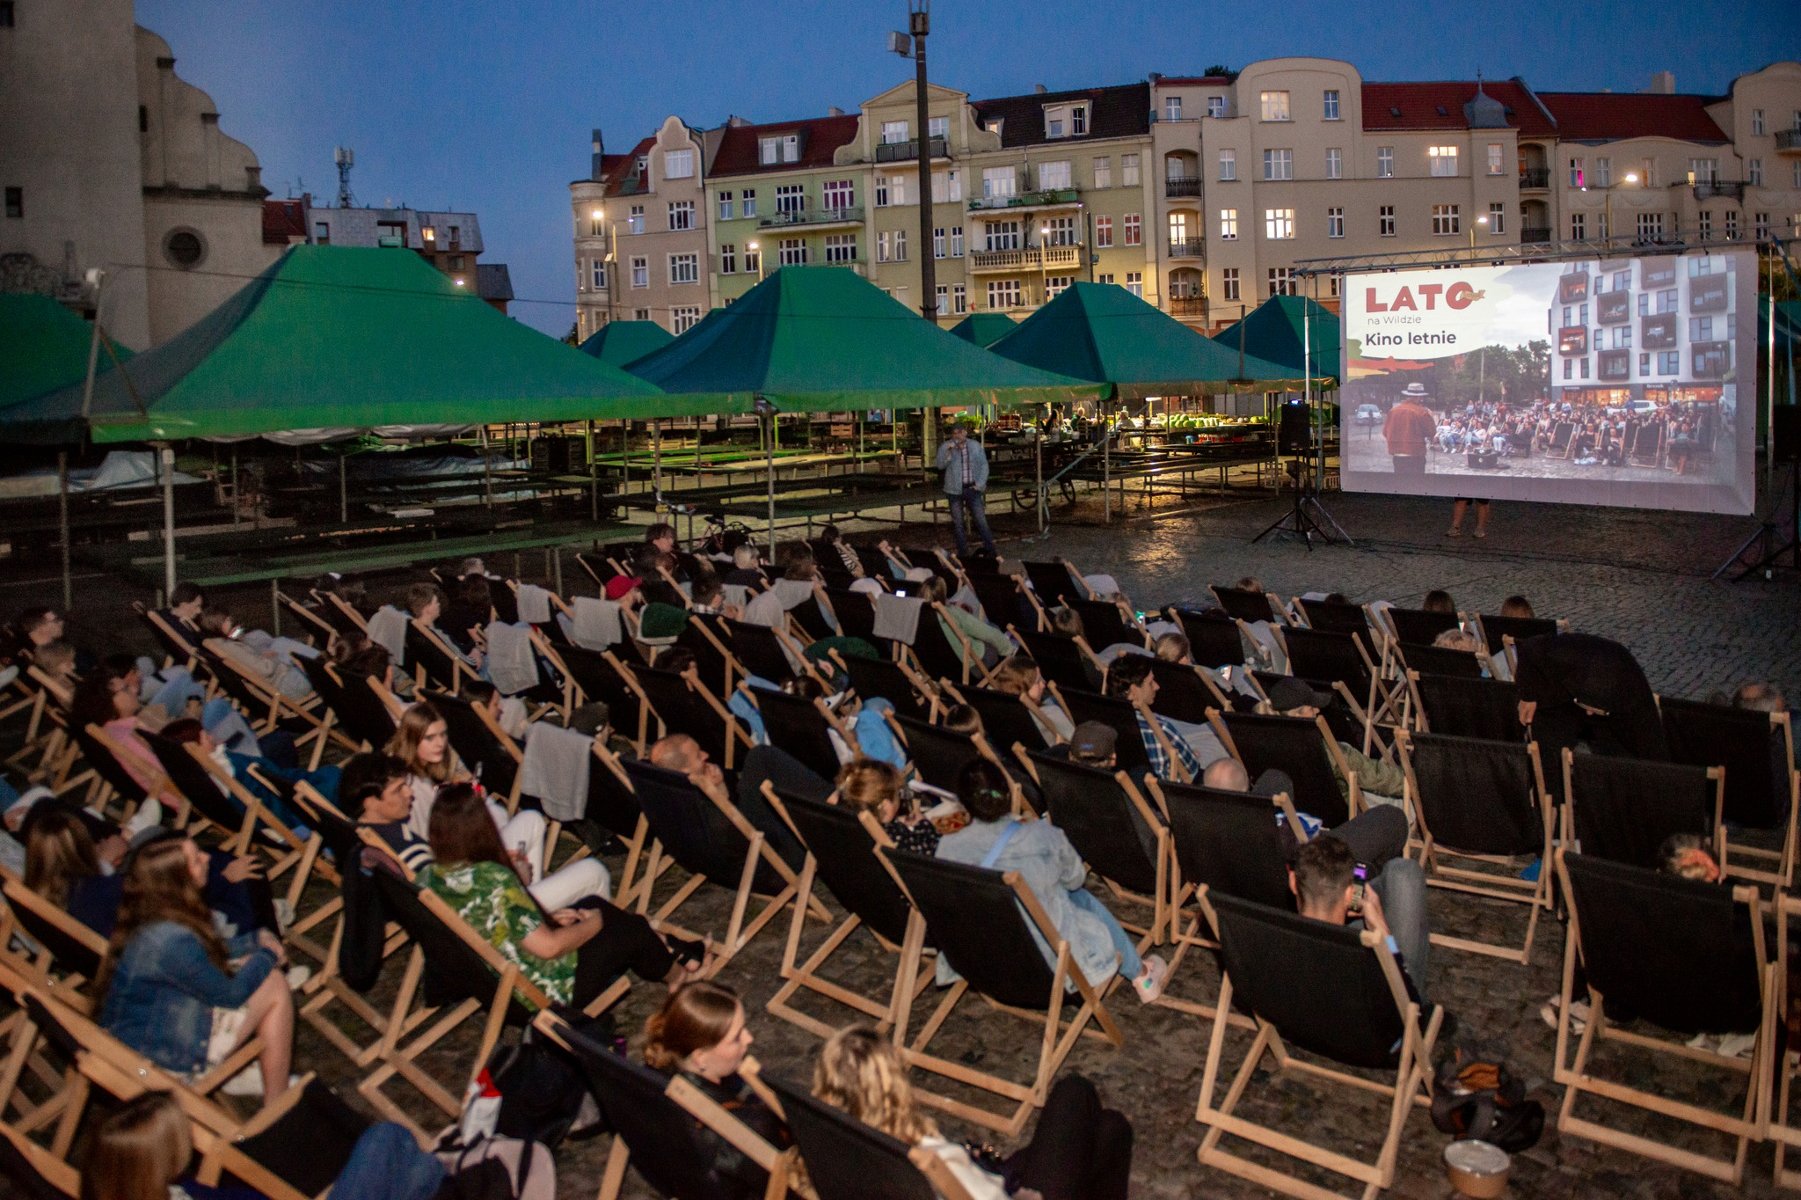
pixel 488 106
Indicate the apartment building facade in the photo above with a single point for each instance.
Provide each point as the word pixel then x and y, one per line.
pixel 1205 195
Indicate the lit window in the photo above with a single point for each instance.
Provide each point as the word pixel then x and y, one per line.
pixel 1228 224
pixel 678 164
pixel 1443 160
pixel 1497 161
pixel 1275 106
pixel 1278 223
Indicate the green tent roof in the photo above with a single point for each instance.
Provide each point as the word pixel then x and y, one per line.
pixel 824 339
pixel 619 342
pixel 984 328
pixel 1102 332
pixel 43 347
pixel 337 338
pixel 1282 328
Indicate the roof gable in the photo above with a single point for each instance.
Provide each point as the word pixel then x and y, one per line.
pixel 1121 111
pixel 820 138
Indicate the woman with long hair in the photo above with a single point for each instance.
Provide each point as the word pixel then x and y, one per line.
pixel 700 1034
pixel 1018 675
pixel 106 699
pixel 875 787
pixel 59 855
pixel 174 991
pixel 1081 1150
pixel 572 954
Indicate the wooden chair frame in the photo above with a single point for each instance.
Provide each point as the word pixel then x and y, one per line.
pixel 1566 812
pixel 275 707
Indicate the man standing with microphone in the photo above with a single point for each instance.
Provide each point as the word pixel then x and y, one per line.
pixel 965 480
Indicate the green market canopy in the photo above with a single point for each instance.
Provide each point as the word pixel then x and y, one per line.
pixel 43 348
pixel 333 340
pixel 1101 332
pixel 984 328
pixel 824 339
pixel 1291 331
pixel 619 342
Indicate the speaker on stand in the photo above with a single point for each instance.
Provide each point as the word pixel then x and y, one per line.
pixel 1764 549
pixel 1307 518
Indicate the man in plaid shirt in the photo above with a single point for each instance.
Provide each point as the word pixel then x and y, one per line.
pixel 1129 678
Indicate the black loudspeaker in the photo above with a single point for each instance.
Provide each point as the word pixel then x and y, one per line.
pixel 1293 433
pixel 1785 434
pixel 559 454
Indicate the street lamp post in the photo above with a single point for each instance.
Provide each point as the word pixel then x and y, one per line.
pixel 1606 231
pixel 1044 283
pixel 1482 221
pixel 752 247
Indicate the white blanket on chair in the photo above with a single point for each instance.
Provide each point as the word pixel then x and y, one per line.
pixel 534 604
pixel 596 624
pixel 387 629
pixel 512 665
pixel 897 617
pixel 556 770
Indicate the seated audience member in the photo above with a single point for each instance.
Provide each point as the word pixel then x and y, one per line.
pixel 865 785
pixel 627 591
pixel 1688 856
pixel 594 719
pixel 665 612
pixel 682 754
pixel 707 597
pixel 107 699
pixel 507 712
pixel 377 791
pixel 1080 1150
pixel 1381 782
pixel 988 643
pixel 1760 696
pixel 961 718
pixel 476 565
pixel 361 658
pixel 1019 676
pixel 268 659
pixel 660 537
pixel 348 588
pixel 1517 606
pixel 1323 879
pixel 1462 639
pixel 37 627
pixel 1438 601
pixel 1577 687
pixel 425 604
pixel 469 609
pixel 1050 866
pixel 1194 746
pixel 572 954
pixel 1065 621
pixel 175 992
pixel 847 556
pixel 700 1034
pixel 185 605
pixel 323 778
pixel 56 662
pixel 746 569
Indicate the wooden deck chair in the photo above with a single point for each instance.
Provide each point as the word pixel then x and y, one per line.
pixel 804 728
pixel 486 750
pixel 1562 438
pixel 104 755
pixel 1005 602
pixel 67 954
pixel 435 662
pixel 1055 583
pixel 1213 640
pixel 1065 661
pixel 267 708
pixel 856 618
pixel 983 923
pixel 1250 607
pixel 45 752
pixel 294 1149
pixel 41 1092
pixel 848 1160
pixel 911 694
pixel 341 614
pixel 1623 809
pixel 218 801
pixel 706 637
pixel 597 675
pixel 1122 717
pixel 1006 720
pixel 1438 660
pixel 1417 626
pixel 1304 748
pixel 1343 661
pixel 760 650
pixel 1334 617
pixel 1474 708
pixel 1497 631
pixel 655 1120
pixel 940 651
pixel 1184 693
pixel 713 843
pixel 38 1174
pixel 1113 827
pixel 1686 957
pixel 1784 1134
pixel 600 569
pixel 810 620
pixel 1110 623
pixel 1763 788
pixel 1330 992
pixel 938 754
pixel 841 849
pixel 180 648
pixel 319 631
pixel 681 704
pixel 1482 803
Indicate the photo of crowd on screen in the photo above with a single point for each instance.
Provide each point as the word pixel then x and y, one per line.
pixel 1633 381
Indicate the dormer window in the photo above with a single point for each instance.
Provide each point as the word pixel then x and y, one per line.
pixel 778 148
pixel 1064 120
pixel 993 126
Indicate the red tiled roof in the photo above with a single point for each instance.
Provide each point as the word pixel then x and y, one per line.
pixel 1439 105
pixel 282 221
pixel 1611 116
pixel 617 168
pixel 820 137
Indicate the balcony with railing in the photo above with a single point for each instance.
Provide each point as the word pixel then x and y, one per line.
pixel 1031 258
pixel 908 150
pixel 1788 141
pixel 1027 201
pixel 1182 185
pixel 1715 189
pixel 1187 306
pixel 1535 235
pixel 813 218
pixel 1188 248
pixel 1535 179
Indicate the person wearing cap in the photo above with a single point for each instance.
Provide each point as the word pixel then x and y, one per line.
pixel 664 615
pixel 624 590
pixel 1384 783
pixel 965 483
pixel 1092 744
pixel 1407 428
pixel 1194 746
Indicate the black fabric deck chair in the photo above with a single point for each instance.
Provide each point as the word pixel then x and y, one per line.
pixel 1417 626
pixel 1245 606
pixel 1781 1131
pixel 267 709
pixel 884 679
pixel 337 611
pixel 1496 630
pixel 803 728
pixel 1004 601
pixel 705 636
pixel 1006 720
pixel 1103 624
pixel 939 754
pixel 1438 660
pixel 354 706
pixel 1334 992
pixel 245 826
pixel 682 708
pixel 40 1175
pixel 178 646
pixel 940 651
pixel 292 1151
pixel 1305 749
pixel 812 620
pixel 848 1160
pixel 656 1121
pixel 1763 789
pixel 1054 583
pixel 712 842
pixel 1184 694
pixel 856 618
pixel 1121 717
pixel 1064 661
pixel 1687 957
pixel 1623 809
pixel 487 753
pixel 1475 708
pixel 757 650
pixel 1483 803
pixel 1335 617
pixel 96 747
pixel 1343 662
pixel 600 569
pixel 68 952
pixel 841 847
pixel 596 676
pixel 434 661
pixel 1213 641
pixel 1116 831
pixel 983 923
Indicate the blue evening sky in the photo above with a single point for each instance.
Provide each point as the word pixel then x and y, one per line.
pixel 487 106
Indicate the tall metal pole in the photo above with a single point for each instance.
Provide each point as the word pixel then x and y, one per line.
pixel 62 521
pixel 165 457
pixel 919 24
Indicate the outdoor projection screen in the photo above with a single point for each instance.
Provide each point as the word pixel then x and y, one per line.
pixel 1601 381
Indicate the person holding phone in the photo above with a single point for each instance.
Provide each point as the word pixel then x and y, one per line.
pixel 965 482
pixel 1330 885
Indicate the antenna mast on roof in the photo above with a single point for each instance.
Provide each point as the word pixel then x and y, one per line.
pixel 345 157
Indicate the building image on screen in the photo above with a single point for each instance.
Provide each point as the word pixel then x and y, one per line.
pixel 1605 381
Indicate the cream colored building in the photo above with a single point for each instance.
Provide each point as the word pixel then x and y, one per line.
pixel 110 160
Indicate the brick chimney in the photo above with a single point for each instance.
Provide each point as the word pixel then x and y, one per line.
pixel 1663 83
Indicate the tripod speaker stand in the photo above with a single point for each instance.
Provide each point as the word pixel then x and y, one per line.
pixel 1764 549
pixel 1307 518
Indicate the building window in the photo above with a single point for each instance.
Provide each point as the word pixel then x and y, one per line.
pixel 15 202
pixel 841 247
pixel 839 194
pixel 881 191
pixel 1497 218
pixel 1278 223
pixel 1060 231
pixel 1603 173
pixel 634 220
pixel 1732 224
pixel 1497 162
pixel 790 198
pixel 1757 121
pixel 956 241
pixel 685 317
pixel 943 297
pixel 1172 108
pixel 182 247
pixel 1669 362
pixel 1443 160
pixel 1760 225
pixel 681 215
pixel 1335 222
pixel 1056 285
pixel 997 182
pixel 1103 172
pixel 1704 225
pixel 640 271
pixel 1228 166
pixel 1754 172
pixel 1228 224
pixel 894 132
pixel 1578 178
pixel 1385 162
pixel 1331 105
pixel 678 164
pixel 747 204
pixel 1794 175
pixel 1578 227
pixel 1228 284
pixel 1650 226
pixel 937 127
pixel 1104 277
pixel 684 268
pixel 1385 220
pixel 454 262
pixel 1053 176
pixel 1334 285
pixel 597 226
pixel 1103 233
pixel 725 205
pixel 1707 170
pixel 1275 105
pixel 1334 163
pixel 959 298
pixel 1278 164
pixel 781 148
pixel 598 272
pixel 753 260
pixel 1133 230
pixel 1128 170
pixel 791 252
pixel 1281 281
pixel 1078 121
pixel 1003 293
pixel 900 245
pixel 321 230
pixel 728 258
pixel 640 314
pixel 1135 283
pixel 1445 219
pixel 938 243
pixel 1000 235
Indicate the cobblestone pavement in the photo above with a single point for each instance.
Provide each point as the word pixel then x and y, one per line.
pixel 1639 576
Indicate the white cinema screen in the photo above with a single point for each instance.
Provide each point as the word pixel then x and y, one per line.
pixel 1598 381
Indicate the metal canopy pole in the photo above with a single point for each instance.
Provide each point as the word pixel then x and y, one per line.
pixel 656 456
pixel 487 472
pixel 593 477
pixel 1038 471
pixel 166 460
pixel 237 509
pixel 62 521
pixel 1106 467
pixel 344 488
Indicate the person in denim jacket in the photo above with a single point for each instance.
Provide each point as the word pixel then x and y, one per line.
pixel 176 993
